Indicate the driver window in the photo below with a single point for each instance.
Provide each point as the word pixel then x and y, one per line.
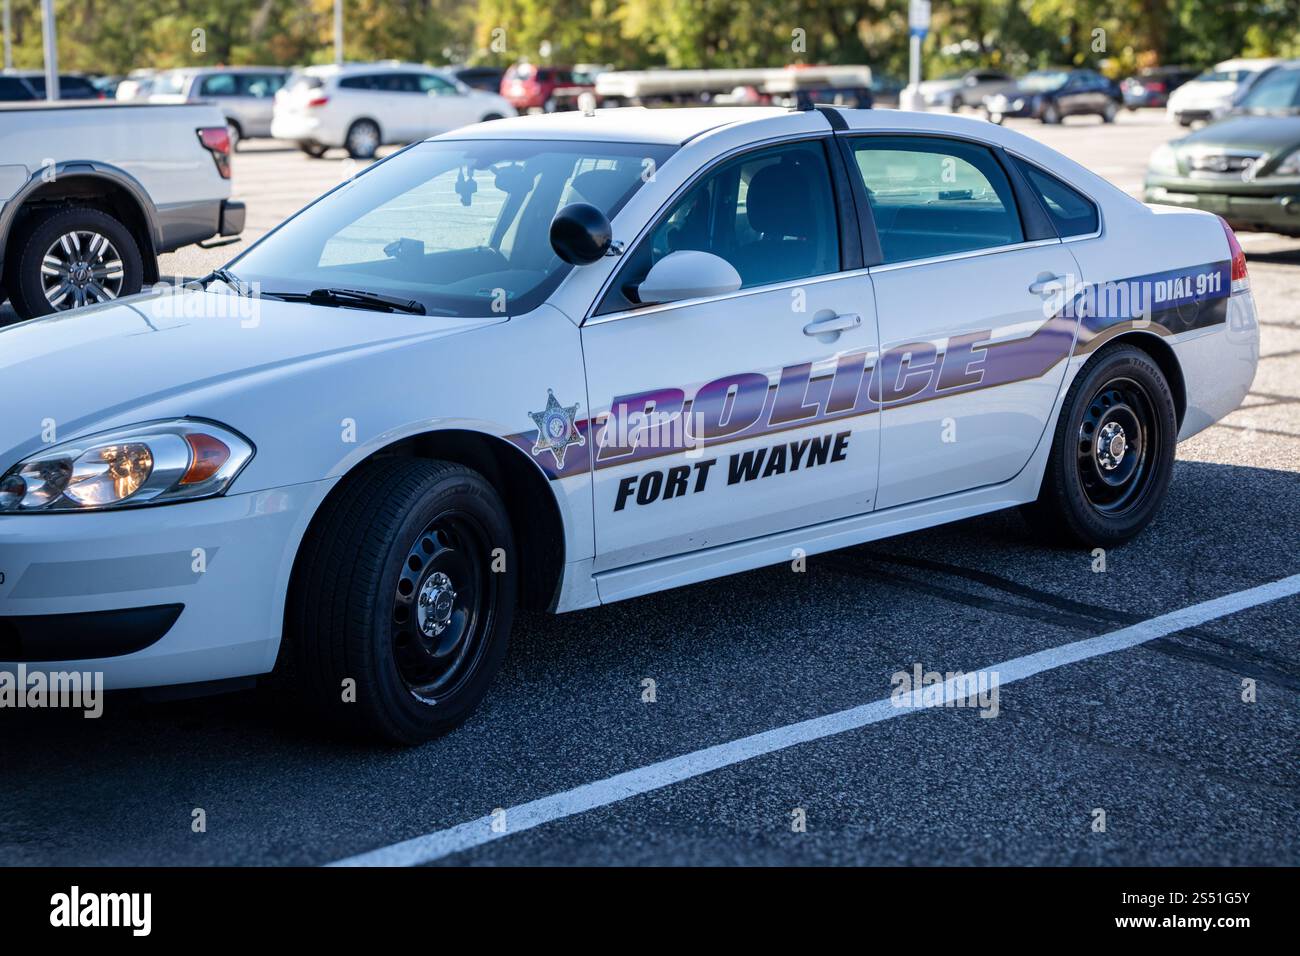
pixel 770 213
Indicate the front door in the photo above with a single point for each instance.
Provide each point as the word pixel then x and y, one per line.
pixel 730 417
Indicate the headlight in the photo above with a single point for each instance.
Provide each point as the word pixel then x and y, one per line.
pixel 1164 160
pixel 143 464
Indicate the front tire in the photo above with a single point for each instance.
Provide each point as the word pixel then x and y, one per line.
pixel 1112 452
pixel 400 588
pixel 67 258
pixel 1051 114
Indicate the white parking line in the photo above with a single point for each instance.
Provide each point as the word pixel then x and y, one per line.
pixel 602 793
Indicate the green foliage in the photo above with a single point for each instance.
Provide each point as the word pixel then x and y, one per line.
pixel 113 36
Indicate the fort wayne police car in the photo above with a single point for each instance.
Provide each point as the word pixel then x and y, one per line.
pixel 565 360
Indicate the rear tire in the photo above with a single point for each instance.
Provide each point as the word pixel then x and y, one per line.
pixel 313 149
pixel 119 260
pixel 395 590
pixel 1109 113
pixel 1112 452
pixel 363 139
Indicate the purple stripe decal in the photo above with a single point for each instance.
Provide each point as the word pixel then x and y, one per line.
pixel 659 422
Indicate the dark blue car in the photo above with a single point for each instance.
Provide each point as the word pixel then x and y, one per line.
pixel 1053 94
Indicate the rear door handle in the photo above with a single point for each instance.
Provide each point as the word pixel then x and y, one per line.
pixel 1040 286
pixel 836 323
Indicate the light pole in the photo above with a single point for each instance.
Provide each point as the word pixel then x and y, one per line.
pixel 51 50
pixel 338 32
pixel 9 45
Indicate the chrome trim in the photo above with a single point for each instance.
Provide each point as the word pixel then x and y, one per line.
pixel 739 294
pixel 971 254
pixel 631 246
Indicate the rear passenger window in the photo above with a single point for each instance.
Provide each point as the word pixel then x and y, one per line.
pixel 218 84
pixel 935 197
pixel 1072 213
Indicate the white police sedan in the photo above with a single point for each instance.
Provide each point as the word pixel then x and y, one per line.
pixel 565 360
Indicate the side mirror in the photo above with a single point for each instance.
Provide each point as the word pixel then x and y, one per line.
pixel 580 234
pixel 687 274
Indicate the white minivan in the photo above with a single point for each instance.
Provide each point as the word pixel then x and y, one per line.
pixel 363 106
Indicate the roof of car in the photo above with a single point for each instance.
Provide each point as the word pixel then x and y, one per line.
pixel 629 124
pixel 351 69
pixel 1248 63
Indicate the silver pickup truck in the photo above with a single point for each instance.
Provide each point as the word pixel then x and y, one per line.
pixel 92 193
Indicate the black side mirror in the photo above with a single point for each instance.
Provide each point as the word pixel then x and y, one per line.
pixel 580 234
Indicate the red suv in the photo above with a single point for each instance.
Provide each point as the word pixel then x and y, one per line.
pixel 548 88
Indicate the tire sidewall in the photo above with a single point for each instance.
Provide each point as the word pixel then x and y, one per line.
pixel 410 718
pixel 352 152
pixel 27 291
pixel 1089 525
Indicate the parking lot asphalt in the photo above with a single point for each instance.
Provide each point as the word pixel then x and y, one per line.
pixel 1157 736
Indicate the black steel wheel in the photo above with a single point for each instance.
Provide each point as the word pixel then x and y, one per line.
pixel 1112 453
pixel 401 600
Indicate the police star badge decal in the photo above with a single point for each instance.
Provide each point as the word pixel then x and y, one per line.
pixel 556 430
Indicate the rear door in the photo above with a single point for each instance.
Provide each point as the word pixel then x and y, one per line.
pixel 733 416
pixel 972 350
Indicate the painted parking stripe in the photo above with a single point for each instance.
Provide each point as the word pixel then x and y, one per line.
pixel 602 793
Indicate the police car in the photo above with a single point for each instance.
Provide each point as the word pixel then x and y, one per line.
pixel 559 361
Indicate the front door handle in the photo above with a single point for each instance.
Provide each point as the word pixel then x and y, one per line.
pixel 1039 286
pixel 836 323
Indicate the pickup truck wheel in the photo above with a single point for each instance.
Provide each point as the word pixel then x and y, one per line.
pixel 362 140
pixel 400 609
pixel 66 258
pixel 1112 452
pixel 313 149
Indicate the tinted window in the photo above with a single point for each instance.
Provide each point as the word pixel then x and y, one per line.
pixel 430 83
pixel 358 82
pixel 1072 213
pixel 260 85
pixel 218 84
pixel 771 214
pixel 935 197
pixel 1279 90
pixel 12 88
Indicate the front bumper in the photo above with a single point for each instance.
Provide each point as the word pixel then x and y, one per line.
pixel 225 562
pixel 1248 209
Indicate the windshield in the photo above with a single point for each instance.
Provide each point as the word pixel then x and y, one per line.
pixel 1280 90
pixel 1044 81
pixel 170 84
pixel 462 227
pixel 1223 76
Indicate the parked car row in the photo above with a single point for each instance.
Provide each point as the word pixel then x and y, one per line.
pixel 1246 167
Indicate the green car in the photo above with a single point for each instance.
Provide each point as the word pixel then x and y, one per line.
pixel 1246 168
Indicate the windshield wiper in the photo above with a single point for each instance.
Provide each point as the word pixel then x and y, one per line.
pixel 352 298
pixel 233 281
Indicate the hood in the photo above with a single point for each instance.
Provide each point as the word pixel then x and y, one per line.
pixel 1203 91
pixel 1265 134
pixel 94 366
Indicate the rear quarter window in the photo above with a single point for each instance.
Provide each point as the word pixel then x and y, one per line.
pixel 1073 213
